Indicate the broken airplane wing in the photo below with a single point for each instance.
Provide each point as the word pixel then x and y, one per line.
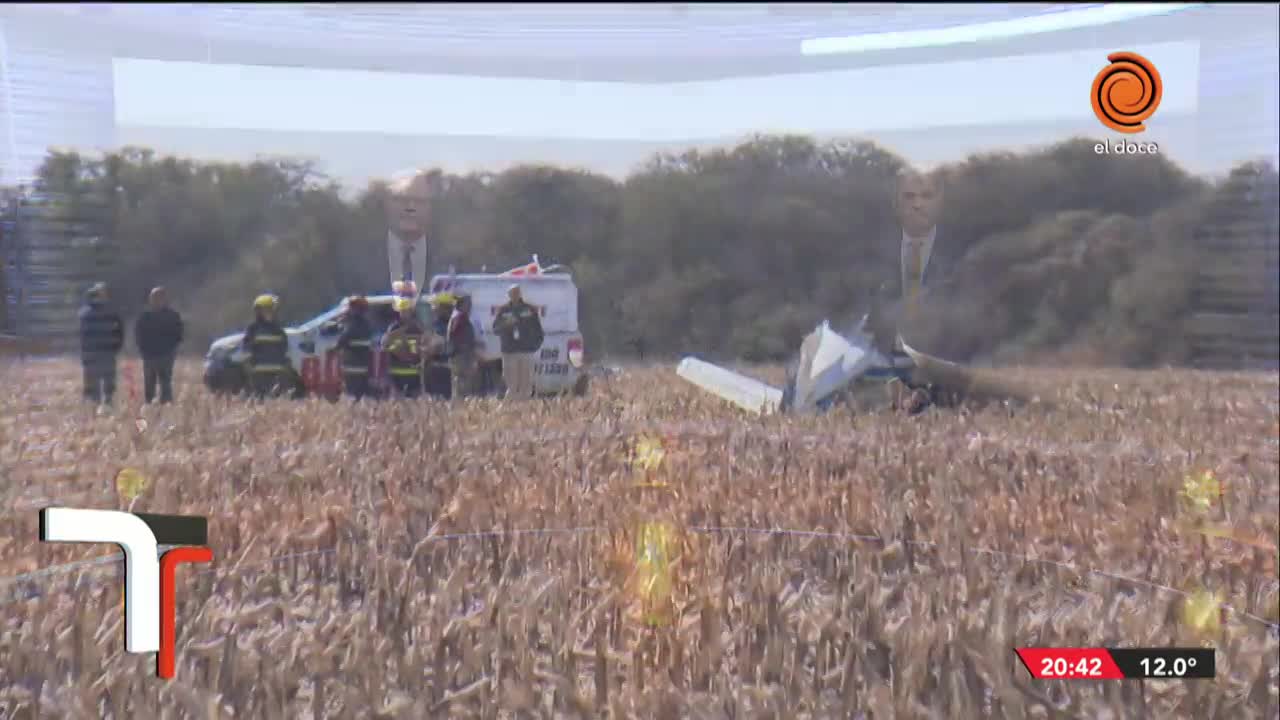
pixel 829 361
pixel 747 393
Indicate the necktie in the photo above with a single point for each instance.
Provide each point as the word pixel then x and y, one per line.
pixel 915 254
pixel 911 286
pixel 406 261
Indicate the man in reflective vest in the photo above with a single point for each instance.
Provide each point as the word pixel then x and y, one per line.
pixel 268 347
pixel 520 331
pixel 404 346
pixel 355 343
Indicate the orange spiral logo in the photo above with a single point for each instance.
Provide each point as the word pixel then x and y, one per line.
pixel 1126 92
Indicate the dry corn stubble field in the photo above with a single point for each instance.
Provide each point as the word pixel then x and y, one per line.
pixel 978 533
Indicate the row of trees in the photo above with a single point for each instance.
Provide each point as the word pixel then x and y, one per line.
pixel 733 252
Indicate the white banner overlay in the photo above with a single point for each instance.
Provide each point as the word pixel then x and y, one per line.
pixel 141 564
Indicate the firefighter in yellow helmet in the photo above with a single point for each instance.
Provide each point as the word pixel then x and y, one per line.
pixel 404 344
pixel 436 373
pixel 442 304
pixel 268 348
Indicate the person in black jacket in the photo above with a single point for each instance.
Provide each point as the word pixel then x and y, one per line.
pixel 520 330
pixel 101 338
pixel 268 346
pixel 356 345
pixel 158 333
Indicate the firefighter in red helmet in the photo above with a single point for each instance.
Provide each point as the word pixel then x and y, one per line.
pixel 356 343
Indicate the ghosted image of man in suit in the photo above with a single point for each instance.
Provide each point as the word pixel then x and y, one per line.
pixel 925 262
pixel 923 256
pixel 371 265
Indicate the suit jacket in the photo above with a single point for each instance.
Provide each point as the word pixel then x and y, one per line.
pixel 886 314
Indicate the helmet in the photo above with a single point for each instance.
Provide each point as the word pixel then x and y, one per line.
pixel 267 301
pixel 443 298
pixel 401 304
pixel 404 288
pixel 357 302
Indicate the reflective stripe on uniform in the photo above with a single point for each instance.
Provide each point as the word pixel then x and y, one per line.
pixel 355 371
pixel 404 372
pixel 269 339
pixel 358 343
pixel 267 368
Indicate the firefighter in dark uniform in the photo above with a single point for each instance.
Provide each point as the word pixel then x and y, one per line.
pixel 442 305
pixel 403 344
pixel 436 374
pixel 268 348
pixel 101 338
pixel 356 345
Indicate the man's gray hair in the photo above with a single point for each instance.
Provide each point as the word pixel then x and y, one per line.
pixel 402 181
pixel 933 177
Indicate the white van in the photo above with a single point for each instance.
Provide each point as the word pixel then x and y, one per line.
pixel 558 365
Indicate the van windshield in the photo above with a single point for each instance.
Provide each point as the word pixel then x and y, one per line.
pixel 319 320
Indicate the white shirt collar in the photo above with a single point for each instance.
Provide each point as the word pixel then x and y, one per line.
pixel 927 239
pixel 395 249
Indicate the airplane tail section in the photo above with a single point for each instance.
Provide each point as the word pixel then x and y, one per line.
pixel 829 361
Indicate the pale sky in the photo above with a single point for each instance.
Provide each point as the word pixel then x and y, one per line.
pixel 996 91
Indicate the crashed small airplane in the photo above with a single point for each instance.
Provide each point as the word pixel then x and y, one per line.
pixel 829 364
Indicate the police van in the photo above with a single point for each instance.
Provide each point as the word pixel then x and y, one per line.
pixel 316 359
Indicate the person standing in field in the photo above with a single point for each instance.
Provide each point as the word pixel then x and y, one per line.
pixel 356 345
pixel 101 338
pixel 404 344
pixel 461 348
pixel 158 332
pixel 520 330
pixel 437 378
pixel 268 347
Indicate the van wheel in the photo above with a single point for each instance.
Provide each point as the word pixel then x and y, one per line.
pixel 228 380
pixel 297 389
